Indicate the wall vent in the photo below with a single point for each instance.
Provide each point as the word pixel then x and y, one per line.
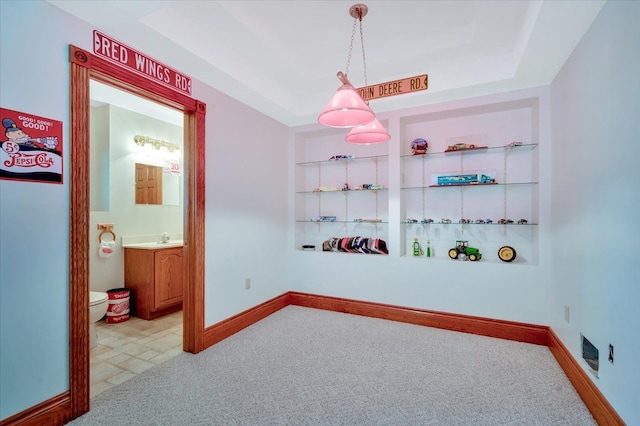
pixel 591 355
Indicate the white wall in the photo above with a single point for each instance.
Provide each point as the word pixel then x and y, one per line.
pixel 34 217
pixel 596 201
pixel 129 219
pixel 516 292
pixel 246 207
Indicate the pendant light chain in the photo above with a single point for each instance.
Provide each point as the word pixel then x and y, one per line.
pixel 353 33
pixel 364 60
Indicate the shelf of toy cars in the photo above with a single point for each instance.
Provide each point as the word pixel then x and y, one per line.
pixel 350 191
pixel 475 185
pixel 489 259
pixel 486 150
pixel 496 223
pixel 373 158
pixel 354 222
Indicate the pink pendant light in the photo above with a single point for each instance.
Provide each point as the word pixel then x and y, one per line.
pixel 369 133
pixel 346 108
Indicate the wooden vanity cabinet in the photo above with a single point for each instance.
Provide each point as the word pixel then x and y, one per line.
pixel 155 277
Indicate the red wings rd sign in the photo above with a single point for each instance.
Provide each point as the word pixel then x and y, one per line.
pixel 125 56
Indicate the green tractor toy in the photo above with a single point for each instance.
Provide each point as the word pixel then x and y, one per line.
pixel 462 248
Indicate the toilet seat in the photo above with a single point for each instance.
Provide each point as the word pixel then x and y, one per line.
pixel 97 297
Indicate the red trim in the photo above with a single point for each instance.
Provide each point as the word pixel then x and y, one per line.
pixel 536 334
pixel 54 411
pixel 230 326
pixel 83 67
pixel 600 408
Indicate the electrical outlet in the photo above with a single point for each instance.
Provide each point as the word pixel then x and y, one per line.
pixel 611 353
pixel 566 313
pixel 247 283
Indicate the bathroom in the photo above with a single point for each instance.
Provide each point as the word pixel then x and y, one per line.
pixel 130 134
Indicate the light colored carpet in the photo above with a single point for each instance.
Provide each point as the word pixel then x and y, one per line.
pixel 305 366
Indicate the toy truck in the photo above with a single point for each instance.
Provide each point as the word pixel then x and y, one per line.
pixel 465 179
pixel 462 248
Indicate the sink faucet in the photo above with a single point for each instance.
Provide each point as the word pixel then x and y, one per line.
pixel 165 238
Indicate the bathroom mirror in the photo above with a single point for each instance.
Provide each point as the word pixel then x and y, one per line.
pixel 134 141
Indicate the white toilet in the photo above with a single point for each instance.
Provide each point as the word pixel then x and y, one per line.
pixel 98 303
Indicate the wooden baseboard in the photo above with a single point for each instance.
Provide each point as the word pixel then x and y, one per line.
pixel 230 326
pixel 54 411
pixel 600 408
pixel 508 330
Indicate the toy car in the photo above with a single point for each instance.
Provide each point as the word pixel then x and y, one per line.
pixel 462 147
pixel 505 221
pixel 445 220
pixel 342 157
pixel 361 220
pixel 462 248
pixel 426 221
pixel 523 222
pixel 323 219
pixel 463 220
pixel 459 146
pixel 507 253
pixel 370 186
pixel 409 220
pixel 327 189
pixel 512 144
pixel 485 221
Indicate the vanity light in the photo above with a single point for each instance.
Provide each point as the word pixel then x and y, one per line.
pixel 147 142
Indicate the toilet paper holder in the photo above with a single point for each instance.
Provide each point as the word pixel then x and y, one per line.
pixel 107 228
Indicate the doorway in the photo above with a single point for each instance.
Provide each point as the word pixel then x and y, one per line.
pixel 83 68
pixel 135 140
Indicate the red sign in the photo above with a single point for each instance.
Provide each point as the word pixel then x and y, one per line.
pixel 174 167
pixel 31 149
pixel 396 87
pixel 125 56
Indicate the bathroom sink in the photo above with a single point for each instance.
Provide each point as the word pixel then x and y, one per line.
pixel 155 245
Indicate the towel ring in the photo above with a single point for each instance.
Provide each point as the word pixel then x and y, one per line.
pixel 106 231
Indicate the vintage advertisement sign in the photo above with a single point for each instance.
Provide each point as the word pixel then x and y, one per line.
pixel 395 87
pixel 30 147
pixel 123 55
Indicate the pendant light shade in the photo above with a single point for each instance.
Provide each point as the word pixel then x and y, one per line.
pixel 346 109
pixel 369 133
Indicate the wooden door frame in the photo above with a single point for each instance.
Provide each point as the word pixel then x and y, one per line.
pixel 83 67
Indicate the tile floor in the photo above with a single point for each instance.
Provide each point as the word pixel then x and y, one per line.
pixel 131 347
